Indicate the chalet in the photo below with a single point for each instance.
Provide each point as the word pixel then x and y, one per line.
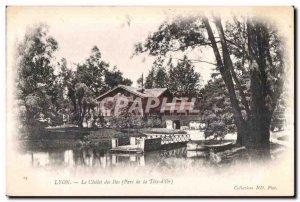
pixel 148 102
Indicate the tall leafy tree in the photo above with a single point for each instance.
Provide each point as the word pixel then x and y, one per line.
pixel 114 78
pixel 65 83
pixel 183 79
pixel 92 72
pixel 215 110
pixel 91 79
pixel 180 77
pixel 35 73
pixel 162 78
pixel 149 81
pixel 78 101
pixel 97 74
pixel 65 74
pixel 157 76
pixel 85 103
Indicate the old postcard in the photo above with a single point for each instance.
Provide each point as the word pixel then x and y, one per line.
pixel 150 101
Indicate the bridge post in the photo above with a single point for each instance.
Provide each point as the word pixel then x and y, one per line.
pixel 132 141
pixel 142 143
pixel 114 142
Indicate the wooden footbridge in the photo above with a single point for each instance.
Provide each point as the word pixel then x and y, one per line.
pixel 149 142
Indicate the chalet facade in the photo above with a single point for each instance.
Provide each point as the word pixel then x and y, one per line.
pixel 160 102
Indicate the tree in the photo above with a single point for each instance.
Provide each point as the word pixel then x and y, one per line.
pixel 66 83
pixel 149 81
pixel 65 74
pixel 160 75
pixel 96 74
pixel 127 120
pixel 278 119
pixel 115 77
pixel 79 103
pixel 157 76
pixel 257 52
pixel 36 81
pixel 85 103
pixel 91 79
pixel 92 72
pixel 215 109
pixel 45 95
pixel 161 79
pixel 181 76
pixel 183 79
pixel 216 112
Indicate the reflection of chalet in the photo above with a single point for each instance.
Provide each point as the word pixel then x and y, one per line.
pixel 173 111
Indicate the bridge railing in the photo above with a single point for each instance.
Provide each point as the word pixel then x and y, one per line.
pixel 165 139
pixel 174 138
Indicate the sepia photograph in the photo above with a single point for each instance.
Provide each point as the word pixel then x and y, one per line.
pixel 150 101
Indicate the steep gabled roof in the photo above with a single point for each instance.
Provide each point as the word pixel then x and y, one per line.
pixel 154 92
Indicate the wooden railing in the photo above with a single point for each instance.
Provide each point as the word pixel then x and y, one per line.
pixel 174 138
pixel 170 138
pixel 155 141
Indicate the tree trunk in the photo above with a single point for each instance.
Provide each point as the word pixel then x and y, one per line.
pixel 254 131
pixel 262 99
pixel 223 66
pixel 261 114
pixel 81 119
pixel 81 114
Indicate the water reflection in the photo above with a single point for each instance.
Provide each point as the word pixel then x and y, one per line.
pixel 97 158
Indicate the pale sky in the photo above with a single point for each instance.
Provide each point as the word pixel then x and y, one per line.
pixel 113 30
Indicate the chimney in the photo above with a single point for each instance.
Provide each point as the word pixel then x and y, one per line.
pixel 142 81
pixel 142 89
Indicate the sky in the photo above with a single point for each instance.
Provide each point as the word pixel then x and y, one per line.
pixel 113 30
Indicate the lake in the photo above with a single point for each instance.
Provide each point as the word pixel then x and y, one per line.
pixel 64 154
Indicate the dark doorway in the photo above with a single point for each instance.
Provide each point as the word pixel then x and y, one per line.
pixel 176 124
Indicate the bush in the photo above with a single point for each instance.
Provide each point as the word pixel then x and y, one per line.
pixel 127 120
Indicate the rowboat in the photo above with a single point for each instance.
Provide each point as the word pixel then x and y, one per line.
pixel 206 147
